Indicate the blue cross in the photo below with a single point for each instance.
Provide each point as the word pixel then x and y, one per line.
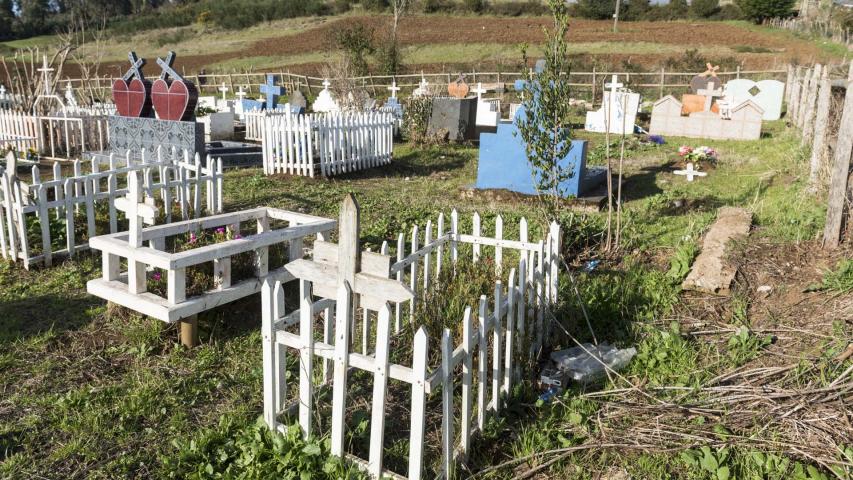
pixel 272 91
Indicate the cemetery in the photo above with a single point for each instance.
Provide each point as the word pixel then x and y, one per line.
pixel 546 271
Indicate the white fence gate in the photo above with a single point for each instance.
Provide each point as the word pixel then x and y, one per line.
pixel 505 329
pixel 331 143
pixel 56 203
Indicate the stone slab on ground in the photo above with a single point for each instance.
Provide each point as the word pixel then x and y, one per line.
pixel 711 273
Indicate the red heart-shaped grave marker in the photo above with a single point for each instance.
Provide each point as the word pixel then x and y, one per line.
pixel 132 100
pixel 174 102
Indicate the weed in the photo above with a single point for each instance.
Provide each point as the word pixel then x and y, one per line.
pixel 840 279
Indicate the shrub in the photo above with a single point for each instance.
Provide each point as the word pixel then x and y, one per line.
pixel 356 42
pixel 475 6
pixel 436 6
pixel 759 10
pixel 704 8
pixel 341 6
pixel 375 5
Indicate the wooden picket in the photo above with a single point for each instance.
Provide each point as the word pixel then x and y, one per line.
pixel 328 144
pixel 184 183
pixel 254 120
pixel 53 137
pixel 490 352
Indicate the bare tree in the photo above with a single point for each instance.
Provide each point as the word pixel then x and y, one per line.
pixel 78 34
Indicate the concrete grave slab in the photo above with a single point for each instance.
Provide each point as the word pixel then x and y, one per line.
pixel 711 273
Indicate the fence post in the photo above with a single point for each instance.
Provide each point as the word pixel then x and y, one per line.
pixel 306 357
pixel 380 387
pixel 418 408
pixel 840 172
pixel 447 403
pixel 343 321
pixel 268 346
pixel 467 378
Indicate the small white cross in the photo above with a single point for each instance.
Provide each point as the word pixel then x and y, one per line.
pixel 479 90
pixel 614 84
pixel 241 93
pixel 689 172
pixel 424 84
pixel 709 94
pixel 326 84
pixel 45 70
pixel 224 89
pixel 137 209
pixel 394 89
pixel 2 90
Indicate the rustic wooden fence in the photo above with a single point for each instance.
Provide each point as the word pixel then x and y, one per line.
pixel 36 215
pixel 503 331
pixel 327 143
pixel 589 83
pixel 53 137
pixel 812 26
pixel 827 126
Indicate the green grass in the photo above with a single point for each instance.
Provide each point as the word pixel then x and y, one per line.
pixel 94 392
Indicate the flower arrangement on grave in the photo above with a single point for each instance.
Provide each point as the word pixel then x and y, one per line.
pixel 200 278
pixel 701 157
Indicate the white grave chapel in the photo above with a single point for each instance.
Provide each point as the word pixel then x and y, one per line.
pixel 325 101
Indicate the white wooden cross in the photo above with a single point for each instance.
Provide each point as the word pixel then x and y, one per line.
pixel 709 94
pixel 424 84
pixel 2 90
pixel 344 271
pixel 479 90
pixel 224 89
pixel 69 95
pixel 138 211
pixel 326 84
pixel 45 71
pixel 689 172
pixel 394 89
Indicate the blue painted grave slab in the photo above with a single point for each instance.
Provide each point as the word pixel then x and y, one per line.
pixel 249 105
pixel 503 164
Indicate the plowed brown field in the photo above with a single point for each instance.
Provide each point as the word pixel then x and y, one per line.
pixel 435 30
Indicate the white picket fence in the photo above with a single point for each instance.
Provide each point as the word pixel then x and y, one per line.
pixel 506 328
pixel 53 137
pixel 84 192
pixel 328 143
pixel 254 120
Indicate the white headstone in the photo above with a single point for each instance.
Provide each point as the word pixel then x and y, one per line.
pixel 618 110
pixel 422 90
pixel 767 94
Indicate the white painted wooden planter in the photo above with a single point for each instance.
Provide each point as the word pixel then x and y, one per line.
pixel 327 143
pixel 92 185
pixel 129 288
pixel 505 327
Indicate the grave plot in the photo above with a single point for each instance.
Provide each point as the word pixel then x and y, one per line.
pixel 403 366
pixel 58 217
pixel 328 144
pixel 63 136
pixel 195 265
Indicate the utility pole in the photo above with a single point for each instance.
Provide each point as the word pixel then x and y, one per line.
pixel 616 16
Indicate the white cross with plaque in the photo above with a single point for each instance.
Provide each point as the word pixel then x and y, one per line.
pixel 240 93
pixel 689 172
pixel 709 94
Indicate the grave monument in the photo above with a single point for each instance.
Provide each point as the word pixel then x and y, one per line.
pixel 618 112
pixel 503 161
pixel 456 115
pixel 170 97
pixel 767 94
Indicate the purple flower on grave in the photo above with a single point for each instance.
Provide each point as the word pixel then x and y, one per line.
pixel 657 139
pixel 193 238
pixel 156 276
pixel 236 236
pixel 220 230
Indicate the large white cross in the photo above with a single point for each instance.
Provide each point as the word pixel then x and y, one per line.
pixel 689 172
pixel 138 209
pixel 224 89
pixel 394 89
pixel 45 71
pixel 709 94
pixel 240 93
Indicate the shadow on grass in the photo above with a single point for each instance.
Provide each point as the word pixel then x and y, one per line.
pixel 38 314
